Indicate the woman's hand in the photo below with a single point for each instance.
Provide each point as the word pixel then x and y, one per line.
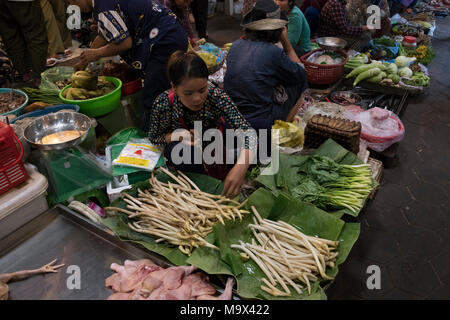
pixel 234 180
pixel 80 65
pixel 89 55
pixel 184 136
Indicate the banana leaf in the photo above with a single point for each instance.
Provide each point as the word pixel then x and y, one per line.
pixel 287 177
pixel 204 259
pixel 309 219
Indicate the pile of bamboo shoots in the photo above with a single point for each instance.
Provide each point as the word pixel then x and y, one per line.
pixel 286 255
pixel 179 213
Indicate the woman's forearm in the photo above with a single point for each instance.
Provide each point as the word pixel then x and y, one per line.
pixel 112 49
pixel 289 50
pixel 246 157
pixel 98 42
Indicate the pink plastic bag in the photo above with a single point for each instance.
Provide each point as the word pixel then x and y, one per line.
pixel 380 128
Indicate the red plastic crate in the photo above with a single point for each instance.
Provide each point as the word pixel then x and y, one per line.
pixel 12 171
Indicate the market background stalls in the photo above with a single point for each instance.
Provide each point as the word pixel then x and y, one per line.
pixel 405 229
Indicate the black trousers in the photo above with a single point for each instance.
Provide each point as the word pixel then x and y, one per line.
pixel 23 31
pixel 200 11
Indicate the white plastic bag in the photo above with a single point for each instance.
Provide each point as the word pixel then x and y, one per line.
pixel 139 153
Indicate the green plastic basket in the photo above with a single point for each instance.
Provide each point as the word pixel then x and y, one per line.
pixel 99 106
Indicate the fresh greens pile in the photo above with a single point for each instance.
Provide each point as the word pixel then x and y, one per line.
pixel 328 184
pixel 336 181
pixel 42 95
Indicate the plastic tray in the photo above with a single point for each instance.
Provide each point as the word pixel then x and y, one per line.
pixel 24 202
pixel 47 110
pixel 75 241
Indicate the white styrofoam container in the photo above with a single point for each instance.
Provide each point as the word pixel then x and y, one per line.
pixel 23 203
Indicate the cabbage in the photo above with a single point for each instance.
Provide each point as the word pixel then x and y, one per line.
pixel 405 72
pixel 402 61
pixel 392 68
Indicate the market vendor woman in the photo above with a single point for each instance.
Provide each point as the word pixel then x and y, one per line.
pixel 143 32
pixel 192 99
pixel 264 81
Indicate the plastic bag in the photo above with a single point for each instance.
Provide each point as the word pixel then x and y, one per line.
pixel 138 153
pixel 51 76
pixel 391 52
pixel 288 134
pixel 380 128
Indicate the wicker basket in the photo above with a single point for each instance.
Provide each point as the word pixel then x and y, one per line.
pixel 323 73
pixel 344 132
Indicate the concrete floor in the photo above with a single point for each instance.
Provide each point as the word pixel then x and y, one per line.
pixel 405 229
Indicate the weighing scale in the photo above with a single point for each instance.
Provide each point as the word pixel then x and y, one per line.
pixel 69 167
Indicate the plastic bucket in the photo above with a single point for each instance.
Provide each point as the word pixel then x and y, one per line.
pixel 99 106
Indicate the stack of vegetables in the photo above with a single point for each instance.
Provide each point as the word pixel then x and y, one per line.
pixel 389 73
pixel 87 86
pixel 283 249
pixel 330 185
pixel 424 54
pixel 356 61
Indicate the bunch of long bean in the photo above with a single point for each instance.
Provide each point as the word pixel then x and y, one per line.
pixel 287 256
pixel 179 213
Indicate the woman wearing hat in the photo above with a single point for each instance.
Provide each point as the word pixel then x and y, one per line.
pixel 263 80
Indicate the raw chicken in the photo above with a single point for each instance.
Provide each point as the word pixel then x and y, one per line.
pixel 130 275
pixel 143 280
pixel 21 275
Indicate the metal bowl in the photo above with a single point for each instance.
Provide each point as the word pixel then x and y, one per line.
pixel 57 122
pixel 331 43
pixel 345 94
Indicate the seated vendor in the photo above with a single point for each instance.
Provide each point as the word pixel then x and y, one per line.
pixel 191 101
pixel 264 81
pixel 335 23
pixel 298 28
pixel 143 32
pixel 358 15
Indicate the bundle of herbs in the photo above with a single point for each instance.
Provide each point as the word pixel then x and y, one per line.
pixel 330 185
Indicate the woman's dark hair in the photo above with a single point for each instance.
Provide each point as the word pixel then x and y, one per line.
pixel 271 36
pixel 185 65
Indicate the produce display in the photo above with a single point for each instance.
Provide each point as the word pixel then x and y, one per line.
pixel 391 74
pixel 329 185
pixel 178 213
pixel 47 96
pixel 357 61
pixel 286 255
pixel 10 101
pixel 87 86
pixel 144 280
pixel 423 54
